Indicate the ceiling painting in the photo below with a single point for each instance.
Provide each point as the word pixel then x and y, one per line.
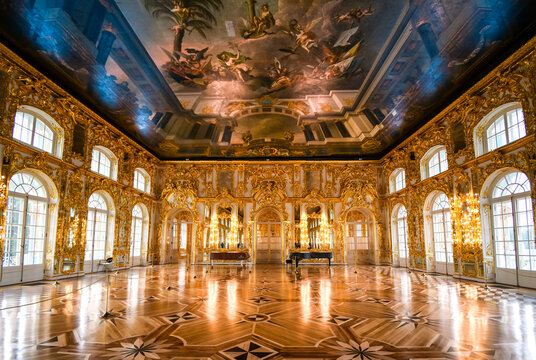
pixel 273 78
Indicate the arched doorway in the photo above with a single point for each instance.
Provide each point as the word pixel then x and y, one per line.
pixel 399 235
pixel 179 235
pixel 27 225
pixel 359 238
pixel 99 230
pixel 268 238
pixel 438 232
pixel 139 234
pixel 512 229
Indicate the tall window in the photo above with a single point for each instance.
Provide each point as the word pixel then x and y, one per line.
pixel 441 229
pixel 137 232
pixel 103 162
pixel 397 180
pixel 33 129
pixel 142 180
pixel 26 221
pixel 513 224
pixel 401 223
pixel 434 162
pixel 97 227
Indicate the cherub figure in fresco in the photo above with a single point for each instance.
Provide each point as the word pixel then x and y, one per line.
pixel 193 58
pixel 189 67
pixel 234 64
pixel 304 38
pixel 280 76
pixel 180 10
pixel 260 24
pixel 355 14
pixel 337 65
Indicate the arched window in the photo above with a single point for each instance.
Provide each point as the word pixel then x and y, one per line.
pixel 138 234
pixel 441 231
pixel 397 180
pixel 104 162
pixel 434 162
pixel 37 129
pixel 142 180
pixel 400 234
pixel 26 226
pixel 513 226
pixel 502 126
pixel 97 230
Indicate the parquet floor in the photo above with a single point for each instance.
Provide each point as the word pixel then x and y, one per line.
pixel 267 312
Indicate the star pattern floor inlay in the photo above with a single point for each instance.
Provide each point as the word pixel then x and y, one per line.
pixel 267 312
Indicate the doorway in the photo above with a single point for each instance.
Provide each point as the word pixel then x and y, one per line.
pixel 269 241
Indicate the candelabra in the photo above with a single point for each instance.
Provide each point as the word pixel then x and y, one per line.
pixel 467 238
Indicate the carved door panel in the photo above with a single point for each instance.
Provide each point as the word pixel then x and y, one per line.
pixel 269 243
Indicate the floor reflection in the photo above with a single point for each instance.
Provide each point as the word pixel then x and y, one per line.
pixel 227 311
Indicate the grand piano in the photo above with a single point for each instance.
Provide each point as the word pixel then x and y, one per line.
pixel 297 256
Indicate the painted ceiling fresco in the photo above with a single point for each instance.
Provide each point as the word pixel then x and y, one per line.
pixel 272 78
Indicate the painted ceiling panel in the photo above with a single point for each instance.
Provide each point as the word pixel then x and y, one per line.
pixel 277 79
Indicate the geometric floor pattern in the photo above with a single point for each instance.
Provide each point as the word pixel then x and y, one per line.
pixel 267 312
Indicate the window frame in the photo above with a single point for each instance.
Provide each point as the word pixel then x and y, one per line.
pixel 108 213
pixel 147 178
pixel 393 180
pixel 480 133
pixel 48 121
pixel 142 221
pixel 512 199
pixel 26 197
pixel 447 230
pixel 396 219
pixel 102 151
pixel 426 159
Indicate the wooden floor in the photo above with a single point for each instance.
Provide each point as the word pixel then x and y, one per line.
pixel 267 311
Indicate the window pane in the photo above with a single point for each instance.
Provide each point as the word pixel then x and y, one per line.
pixel 34 131
pixel 95 160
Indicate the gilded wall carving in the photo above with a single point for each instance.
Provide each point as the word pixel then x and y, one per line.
pixel 286 187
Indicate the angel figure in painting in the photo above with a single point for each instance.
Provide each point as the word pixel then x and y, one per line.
pixel 354 15
pixel 304 38
pixel 280 77
pixel 234 64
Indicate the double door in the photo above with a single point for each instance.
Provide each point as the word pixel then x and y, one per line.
pixel 24 247
pixel 268 243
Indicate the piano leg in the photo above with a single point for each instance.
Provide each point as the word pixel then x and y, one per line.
pixel 329 261
pixel 297 261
